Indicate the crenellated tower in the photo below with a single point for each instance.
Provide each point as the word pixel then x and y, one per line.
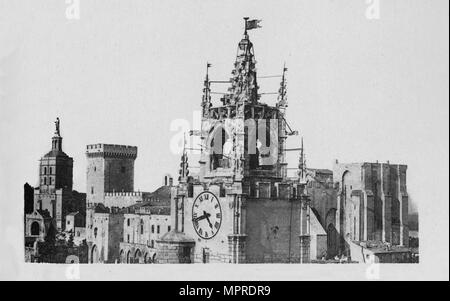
pixel 110 168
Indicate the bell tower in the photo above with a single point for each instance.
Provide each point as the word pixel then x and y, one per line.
pixel 242 137
pixel 240 207
pixel 56 167
pixel 55 182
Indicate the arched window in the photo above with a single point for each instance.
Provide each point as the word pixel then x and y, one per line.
pixel 45 181
pixel 35 229
pixel 95 232
pixel 137 256
pixel 45 170
pixel 128 222
pixel 94 254
pixel 121 256
pixel 218 159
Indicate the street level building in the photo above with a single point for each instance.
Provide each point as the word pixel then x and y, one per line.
pixel 143 225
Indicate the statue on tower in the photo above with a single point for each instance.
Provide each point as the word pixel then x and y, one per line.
pixel 57 126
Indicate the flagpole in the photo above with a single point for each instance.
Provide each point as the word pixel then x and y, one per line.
pixel 245 25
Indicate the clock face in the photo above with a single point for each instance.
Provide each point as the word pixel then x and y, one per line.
pixel 206 215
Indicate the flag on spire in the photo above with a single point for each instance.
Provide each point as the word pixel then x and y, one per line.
pixel 252 24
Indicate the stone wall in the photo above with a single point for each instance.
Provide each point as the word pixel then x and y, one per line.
pixel 372 202
pixel 79 235
pixel 95 179
pixel 272 229
pixel 145 229
pixel 105 237
pixel 175 253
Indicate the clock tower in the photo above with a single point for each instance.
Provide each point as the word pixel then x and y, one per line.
pixel 241 207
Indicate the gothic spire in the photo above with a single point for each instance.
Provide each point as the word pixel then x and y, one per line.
pixel 244 87
pixel 302 164
pixel 206 99
pixel 282 100
pixel 184 165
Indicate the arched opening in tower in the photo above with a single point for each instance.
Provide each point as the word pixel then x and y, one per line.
pixel 220 147
pixel 35 229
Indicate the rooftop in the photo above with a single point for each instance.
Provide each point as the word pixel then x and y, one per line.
pixel 56 154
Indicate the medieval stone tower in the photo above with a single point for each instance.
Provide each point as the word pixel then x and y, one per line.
pixel 110 168
pixel 109 182
pixel 241 207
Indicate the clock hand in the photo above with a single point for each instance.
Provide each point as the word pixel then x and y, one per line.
pixel 207 218
pixel 200 218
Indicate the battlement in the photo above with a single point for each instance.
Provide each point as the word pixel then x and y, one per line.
pixel 111 150
pixel 127 193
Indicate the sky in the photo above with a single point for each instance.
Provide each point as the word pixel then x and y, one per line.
pixel 359 89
